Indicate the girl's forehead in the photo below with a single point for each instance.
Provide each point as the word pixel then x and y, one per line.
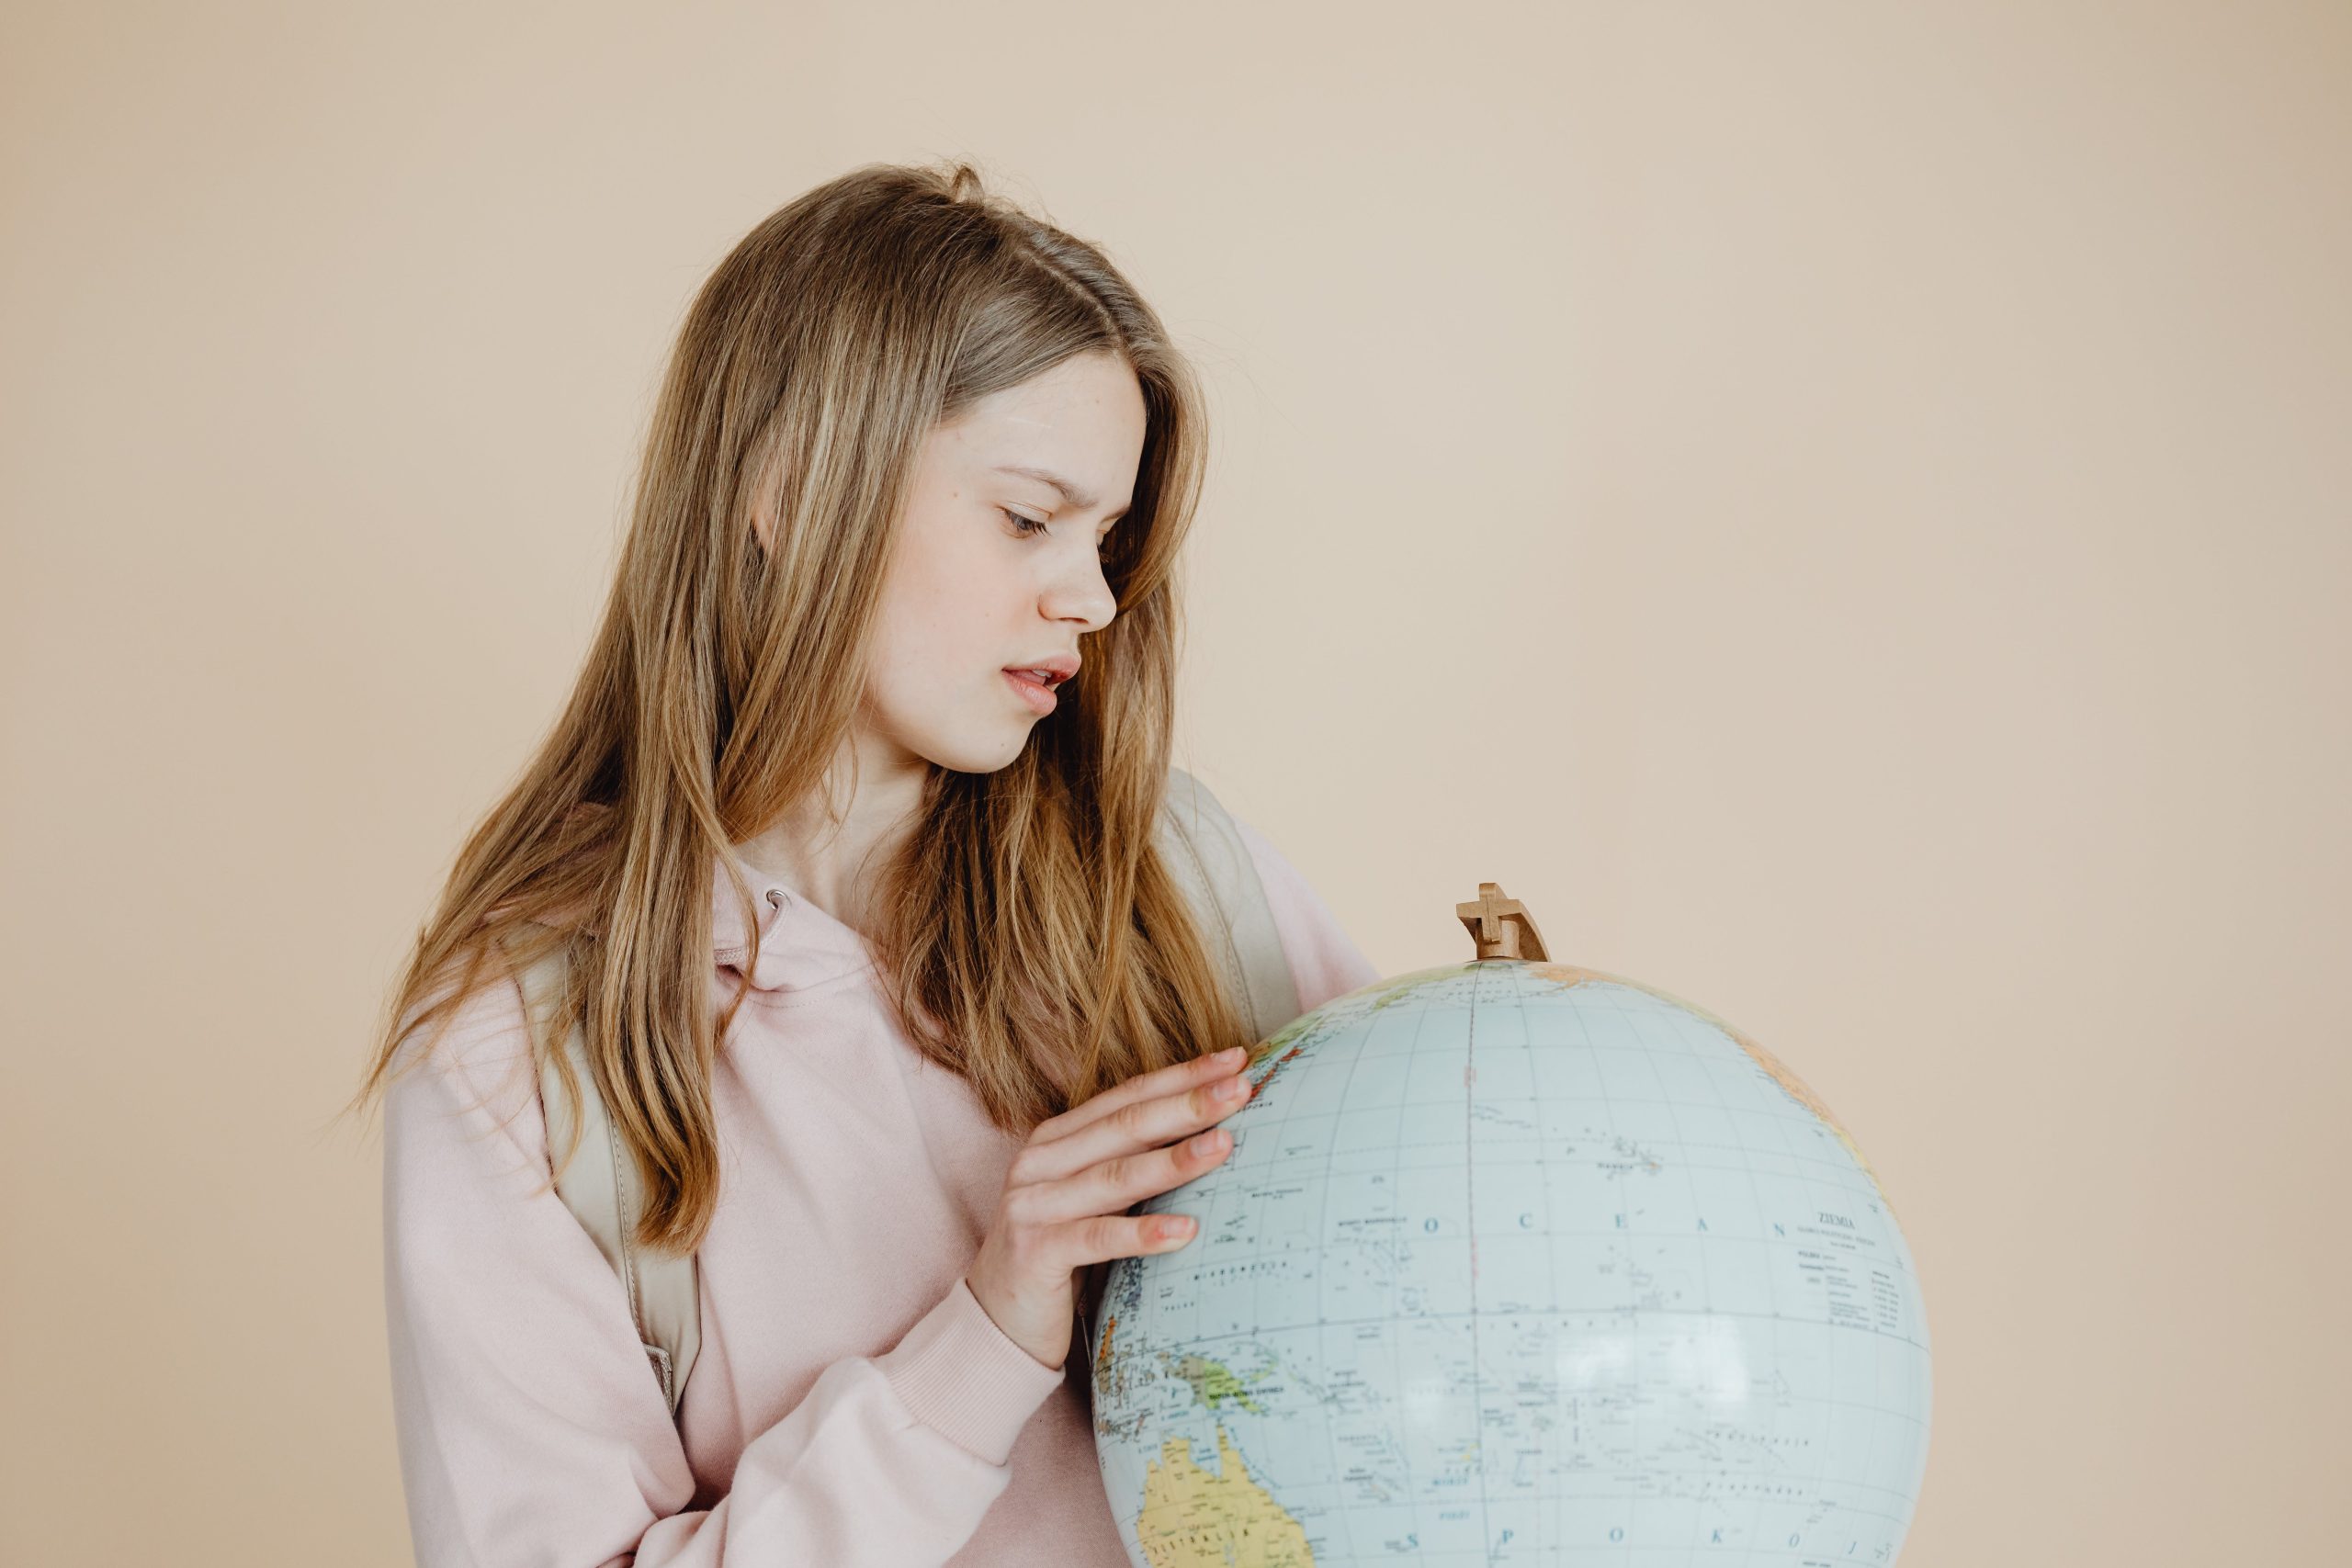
pixel 1091 399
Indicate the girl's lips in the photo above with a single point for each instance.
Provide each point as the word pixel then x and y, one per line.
pixel 1041 699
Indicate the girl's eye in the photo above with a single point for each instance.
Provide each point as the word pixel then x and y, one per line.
pixel 1028 527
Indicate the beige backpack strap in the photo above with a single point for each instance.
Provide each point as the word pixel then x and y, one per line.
pixel 1203 849
pixel 602 1188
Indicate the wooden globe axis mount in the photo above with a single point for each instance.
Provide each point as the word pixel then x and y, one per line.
pixel 1501 926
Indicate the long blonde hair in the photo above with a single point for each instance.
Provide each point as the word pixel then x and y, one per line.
pixel 1027 911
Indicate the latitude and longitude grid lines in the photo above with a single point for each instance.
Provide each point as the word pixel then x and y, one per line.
pixel 1470 1223
pixel 1401 1456
pixel 1859 1492
pixel 1875 1345
pixel 1782 1114
pixel 1321 1328
pixel 1629 1023
pixel 1694 1040
pixel 1620 1245
pixel 1756 1513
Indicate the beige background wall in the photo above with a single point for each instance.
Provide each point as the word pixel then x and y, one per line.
pixel 1841 507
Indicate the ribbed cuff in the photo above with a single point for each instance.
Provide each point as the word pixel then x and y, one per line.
pixel 960 1375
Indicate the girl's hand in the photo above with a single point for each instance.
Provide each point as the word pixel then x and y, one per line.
pixel 1067 1189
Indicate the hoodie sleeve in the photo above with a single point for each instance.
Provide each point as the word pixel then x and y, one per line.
pixel 1323 962
pixel 532 1432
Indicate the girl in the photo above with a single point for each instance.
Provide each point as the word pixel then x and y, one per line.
pixel 891 1000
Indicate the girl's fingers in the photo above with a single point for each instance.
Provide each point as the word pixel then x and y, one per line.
pixel 1130 1130
pixel 1106 1236
pixel 1144 1085
pixel 1102 1189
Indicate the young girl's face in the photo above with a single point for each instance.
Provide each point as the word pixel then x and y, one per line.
pixel 996 571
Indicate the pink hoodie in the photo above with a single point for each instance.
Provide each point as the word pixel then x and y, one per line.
pixel 851 1402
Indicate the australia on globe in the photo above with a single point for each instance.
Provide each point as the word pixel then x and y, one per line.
pixel 1514 1262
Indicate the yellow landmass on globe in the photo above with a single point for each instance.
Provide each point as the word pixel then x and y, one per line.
pixel 1198 1519
pixel 1568 975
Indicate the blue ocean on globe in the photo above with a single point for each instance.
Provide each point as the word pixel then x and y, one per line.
pixel 1518 1263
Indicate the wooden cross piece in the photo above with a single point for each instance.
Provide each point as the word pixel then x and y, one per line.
pixel 1501 927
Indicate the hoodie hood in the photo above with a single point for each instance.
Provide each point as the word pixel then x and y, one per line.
pixel 795 946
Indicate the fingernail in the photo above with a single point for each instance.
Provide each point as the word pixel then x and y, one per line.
pixel 1231 1088
pixel 1206 1142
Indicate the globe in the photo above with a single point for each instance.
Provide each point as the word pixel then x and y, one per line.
pixel 1514 1262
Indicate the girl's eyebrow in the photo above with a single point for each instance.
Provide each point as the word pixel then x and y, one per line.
pixel 1070 493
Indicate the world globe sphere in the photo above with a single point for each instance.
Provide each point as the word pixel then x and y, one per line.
pixel 1514 1262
